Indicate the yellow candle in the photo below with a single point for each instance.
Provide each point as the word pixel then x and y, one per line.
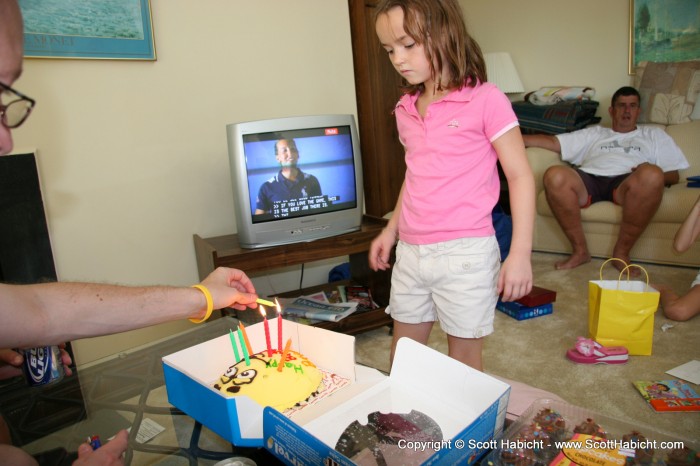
pixel 265 302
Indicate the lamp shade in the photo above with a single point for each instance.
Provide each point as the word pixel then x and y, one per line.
pixel 501 71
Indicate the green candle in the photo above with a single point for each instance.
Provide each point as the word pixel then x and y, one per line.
pixel 235 347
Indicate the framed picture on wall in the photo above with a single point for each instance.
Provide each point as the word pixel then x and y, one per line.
pixel 115 29
pixel 663 31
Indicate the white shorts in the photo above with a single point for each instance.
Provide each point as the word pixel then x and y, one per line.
pixel 696 281
pixel 453 282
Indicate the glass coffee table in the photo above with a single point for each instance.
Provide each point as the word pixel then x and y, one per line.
pixel 126 392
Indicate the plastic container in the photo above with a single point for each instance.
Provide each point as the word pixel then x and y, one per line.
pixel 546 434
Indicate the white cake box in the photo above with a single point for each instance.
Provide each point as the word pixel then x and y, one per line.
pixel 468 406
pixel 191 373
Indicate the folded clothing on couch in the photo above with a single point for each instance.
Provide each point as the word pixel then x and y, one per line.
pixel 562 117
pixel 555 94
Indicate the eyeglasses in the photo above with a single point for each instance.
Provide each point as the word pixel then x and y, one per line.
pixel 15 107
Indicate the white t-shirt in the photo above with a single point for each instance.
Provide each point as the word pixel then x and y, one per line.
pixel 601 151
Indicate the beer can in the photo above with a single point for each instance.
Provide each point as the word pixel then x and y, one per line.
pixel 43 365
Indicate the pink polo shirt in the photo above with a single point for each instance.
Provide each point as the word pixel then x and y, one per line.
pixel 452 181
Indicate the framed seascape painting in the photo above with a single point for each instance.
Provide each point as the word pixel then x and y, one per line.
pixel 663 31
pixel 94 29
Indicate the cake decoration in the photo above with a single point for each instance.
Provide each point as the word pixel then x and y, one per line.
pixel 642 455
pixel 552 423
pixel 377 442
pixel 518 452
pixel 590 427
pixel 683 457
pixel 259 378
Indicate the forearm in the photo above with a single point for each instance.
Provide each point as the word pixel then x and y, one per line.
pixel 393 224
pixel 544 141
pixel 522 206
pixel 53 313
pixel 689 229
pixel 521 189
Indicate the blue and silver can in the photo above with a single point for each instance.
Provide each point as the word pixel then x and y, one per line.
pixel 43 365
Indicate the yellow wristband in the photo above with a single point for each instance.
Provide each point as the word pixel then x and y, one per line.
pixel 210 304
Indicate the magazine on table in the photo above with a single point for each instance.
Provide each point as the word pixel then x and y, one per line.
pixel 310 308
pixel 362 296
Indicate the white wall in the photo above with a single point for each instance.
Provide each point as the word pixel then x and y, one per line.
pixel 132 155
pixel 558 42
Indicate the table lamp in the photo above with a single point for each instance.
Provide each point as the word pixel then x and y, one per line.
pixel 501 71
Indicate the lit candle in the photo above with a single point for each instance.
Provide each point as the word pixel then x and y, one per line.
pixel 279 326
pixel 236 356
pixel 284 355
pixel 267 331
pixel 245 338
pixel 241 338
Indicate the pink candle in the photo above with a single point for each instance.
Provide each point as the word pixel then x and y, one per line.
pixel 267 331
pixel 279 326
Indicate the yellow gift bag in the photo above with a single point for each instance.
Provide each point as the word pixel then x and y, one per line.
pixel 621 312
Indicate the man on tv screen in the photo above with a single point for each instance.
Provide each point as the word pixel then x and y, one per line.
pixel 290 183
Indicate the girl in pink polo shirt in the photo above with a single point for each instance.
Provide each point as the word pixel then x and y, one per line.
pixel 454 127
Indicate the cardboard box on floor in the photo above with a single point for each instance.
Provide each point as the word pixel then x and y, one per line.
pixel 468 405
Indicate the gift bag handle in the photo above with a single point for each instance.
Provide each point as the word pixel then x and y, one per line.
pixel 626 269
pixel 615 259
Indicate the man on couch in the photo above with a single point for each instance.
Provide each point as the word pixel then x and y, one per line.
pixel 625 164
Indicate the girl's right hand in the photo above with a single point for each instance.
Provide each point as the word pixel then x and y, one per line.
pixel 380 250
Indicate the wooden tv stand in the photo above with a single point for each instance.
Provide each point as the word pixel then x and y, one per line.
pixel 225 251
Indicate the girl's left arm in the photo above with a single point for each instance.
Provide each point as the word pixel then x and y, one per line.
pixel 515 279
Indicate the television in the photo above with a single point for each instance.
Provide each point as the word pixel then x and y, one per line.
pixel 295 179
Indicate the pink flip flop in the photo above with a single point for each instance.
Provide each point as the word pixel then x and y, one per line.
pixel 588 351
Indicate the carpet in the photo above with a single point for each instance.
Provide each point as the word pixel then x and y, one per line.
pixel 533 351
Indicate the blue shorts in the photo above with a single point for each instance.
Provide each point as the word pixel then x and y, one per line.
pixel 453 282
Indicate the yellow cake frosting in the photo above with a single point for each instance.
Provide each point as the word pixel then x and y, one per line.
pixel 261 381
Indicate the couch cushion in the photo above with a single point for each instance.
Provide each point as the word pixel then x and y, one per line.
pixel 669 90
pixel 674 208
pixel 687 136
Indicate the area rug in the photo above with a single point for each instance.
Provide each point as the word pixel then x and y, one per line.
pixel 533 351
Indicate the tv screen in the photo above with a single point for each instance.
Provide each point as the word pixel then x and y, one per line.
pixel 295 179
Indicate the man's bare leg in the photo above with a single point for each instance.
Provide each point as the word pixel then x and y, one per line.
pixel 566 193
pixel 640 196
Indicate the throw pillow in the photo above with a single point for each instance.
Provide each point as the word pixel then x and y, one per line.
pixel 669 91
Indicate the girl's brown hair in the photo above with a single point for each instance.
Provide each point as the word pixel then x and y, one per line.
pixel 439 26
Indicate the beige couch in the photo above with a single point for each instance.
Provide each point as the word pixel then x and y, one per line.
pixel 601 220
